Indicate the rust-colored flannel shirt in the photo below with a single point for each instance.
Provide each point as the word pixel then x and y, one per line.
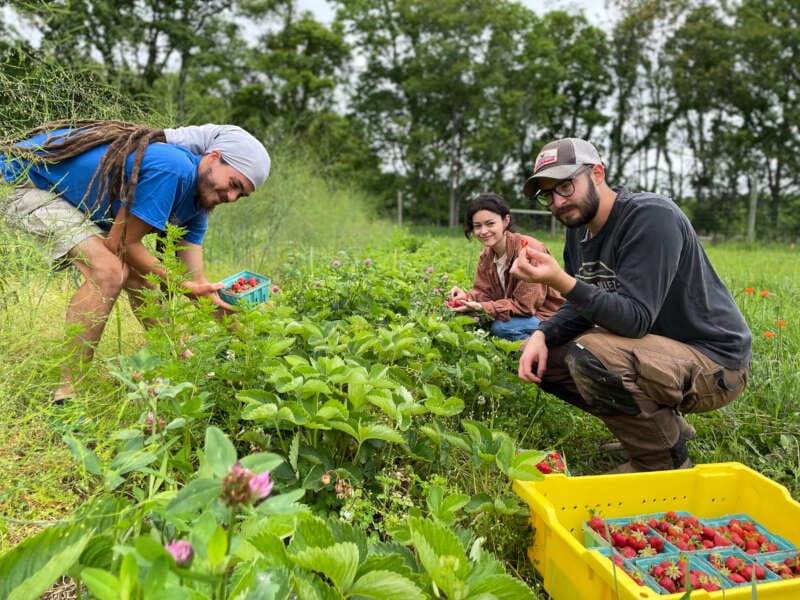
pixel 520 299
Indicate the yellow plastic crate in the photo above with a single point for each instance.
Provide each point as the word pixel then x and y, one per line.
pixel 559 505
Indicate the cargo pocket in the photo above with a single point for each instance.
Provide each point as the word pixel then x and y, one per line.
pixel 712 389
pixel 661 379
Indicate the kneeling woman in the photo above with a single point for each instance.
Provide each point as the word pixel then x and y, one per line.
pixel 516 307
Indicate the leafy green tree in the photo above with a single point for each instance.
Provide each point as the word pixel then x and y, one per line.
pixel 764 101
pixel 455 96
pixel 297 66
pixel 701 64
pixel 131 43
pixel 420 90
pixel 642 106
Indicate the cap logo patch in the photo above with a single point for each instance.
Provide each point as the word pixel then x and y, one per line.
pixel 545 158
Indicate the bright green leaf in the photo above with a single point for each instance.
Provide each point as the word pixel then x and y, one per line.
pixel 219 451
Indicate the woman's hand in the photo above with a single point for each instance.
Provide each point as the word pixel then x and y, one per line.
pixel 456 293
pixel 464 306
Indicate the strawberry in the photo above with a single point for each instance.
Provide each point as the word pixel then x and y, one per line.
pixel 253 282
pixel 544 467
pixel 667 584
pixel 619 539
pixel 721 541
pixel 637 541
pixel 597 523
pixel 733 564
pixel 708 533
pixel 656 542
pixel 523 243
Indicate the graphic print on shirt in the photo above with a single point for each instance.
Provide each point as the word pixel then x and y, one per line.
pixel 598 273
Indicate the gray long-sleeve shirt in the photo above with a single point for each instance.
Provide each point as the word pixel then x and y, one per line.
pixel 646 272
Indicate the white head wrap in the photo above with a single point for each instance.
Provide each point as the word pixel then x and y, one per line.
pixel 239 148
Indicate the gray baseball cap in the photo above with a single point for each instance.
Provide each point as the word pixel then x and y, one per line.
pixel 560 160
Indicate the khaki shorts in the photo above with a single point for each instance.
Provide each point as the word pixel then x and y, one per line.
pixel 59 224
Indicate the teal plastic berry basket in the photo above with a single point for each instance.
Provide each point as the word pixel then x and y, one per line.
pixel 252 295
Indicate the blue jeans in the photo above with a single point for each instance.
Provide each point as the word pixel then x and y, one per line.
pixel 516 328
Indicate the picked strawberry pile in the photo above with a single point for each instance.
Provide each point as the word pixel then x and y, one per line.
pixel 242 285
pixel 552 463
pixel 788 568
pixel 456 302
pixel 737 569
pixel 662 550
pixel 687 533
pixel 631 540
pixel 671 574
pixel 746 536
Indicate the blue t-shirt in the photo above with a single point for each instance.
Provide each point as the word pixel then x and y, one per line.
pixel 164 194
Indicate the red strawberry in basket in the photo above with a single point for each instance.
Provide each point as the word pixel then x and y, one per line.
pixel 656 543
pixel 597 524
pixel 667 584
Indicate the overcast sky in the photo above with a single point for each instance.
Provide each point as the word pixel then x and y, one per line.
pixel 595 10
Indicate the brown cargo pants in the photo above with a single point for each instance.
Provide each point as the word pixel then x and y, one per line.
pixel 638 386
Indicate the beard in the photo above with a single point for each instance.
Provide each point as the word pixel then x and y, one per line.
pixel 205 194
pixel 587 208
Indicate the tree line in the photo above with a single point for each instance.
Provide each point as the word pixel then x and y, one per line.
pixel 441 100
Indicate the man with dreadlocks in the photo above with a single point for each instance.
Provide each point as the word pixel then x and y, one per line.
pixel 129 182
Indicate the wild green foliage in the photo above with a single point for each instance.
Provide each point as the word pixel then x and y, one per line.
pixel 329 402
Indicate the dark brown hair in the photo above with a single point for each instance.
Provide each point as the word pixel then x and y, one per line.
pixel 489 201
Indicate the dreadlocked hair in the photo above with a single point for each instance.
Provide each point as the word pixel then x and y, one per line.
pixel 122 138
